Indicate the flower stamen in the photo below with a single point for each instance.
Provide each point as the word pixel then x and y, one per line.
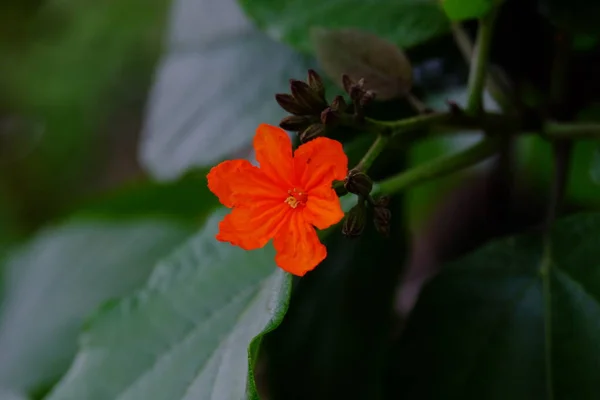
pixel 296 198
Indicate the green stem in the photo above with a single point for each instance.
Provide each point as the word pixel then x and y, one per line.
pixel 479 64
pixel 555 130
pixel 392 128
pixel 373 152
pixel 499 92
pixel 440 167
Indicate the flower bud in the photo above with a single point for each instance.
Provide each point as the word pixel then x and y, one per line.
pixel 358 182
pixel 296 123
pixel 355 221
pixel 289 104
pixel 338 104
pixel 329 117
pixel 383 201
pixel 306 97
pixel 312 132
pixel 316 84
pixel 382 219
pixel 347 82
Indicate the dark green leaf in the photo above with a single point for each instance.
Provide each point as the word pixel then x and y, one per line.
pixel 595 169
pixel 332 342
pixel 186 334
pixel 577 16
pixel 458 10
pixel 404 22
pixel 510 321
pixel 215 86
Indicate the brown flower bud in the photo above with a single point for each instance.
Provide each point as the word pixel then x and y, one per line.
pixel 355 221
pixel 305 96
pixel 358 182
pixel 347 82
pixel 382 219
pixel 383 201
pixel 329 117
pixel 316 84
pixel 356 91
pixel 296 123
pixel 338 104
pixel 366 98
pixel 291 105
pixel 312 132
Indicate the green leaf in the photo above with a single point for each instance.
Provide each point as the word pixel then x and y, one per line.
pixel 214 87
pixel 512 320
pixel 458 10
pixel 404 22
pixel 53 281
pixel 595 169
pixel 106 249
pixel 186 334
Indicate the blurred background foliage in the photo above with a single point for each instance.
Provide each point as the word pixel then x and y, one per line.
pixel 111 113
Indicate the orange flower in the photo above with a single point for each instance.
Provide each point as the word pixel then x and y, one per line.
pixel 283 199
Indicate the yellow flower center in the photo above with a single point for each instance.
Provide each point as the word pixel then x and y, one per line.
pixel 296 198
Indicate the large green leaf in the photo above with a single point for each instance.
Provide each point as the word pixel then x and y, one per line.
pixel 106 249
pixel 186 334
pixel 514 320
pixel 52 282
pixel 214 87
pixel 404 22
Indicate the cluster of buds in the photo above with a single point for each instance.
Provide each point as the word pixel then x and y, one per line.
pixel 306 103
pixel 359 183
pixel 359 96
pixel 357 217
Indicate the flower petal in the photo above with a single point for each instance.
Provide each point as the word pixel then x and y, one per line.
pixel 323 207
pixel 252 227
pixel 320 161
pixel 237 183
pixel 298 247
pixel 273 149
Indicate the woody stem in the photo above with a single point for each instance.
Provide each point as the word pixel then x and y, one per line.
pixel 440 167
